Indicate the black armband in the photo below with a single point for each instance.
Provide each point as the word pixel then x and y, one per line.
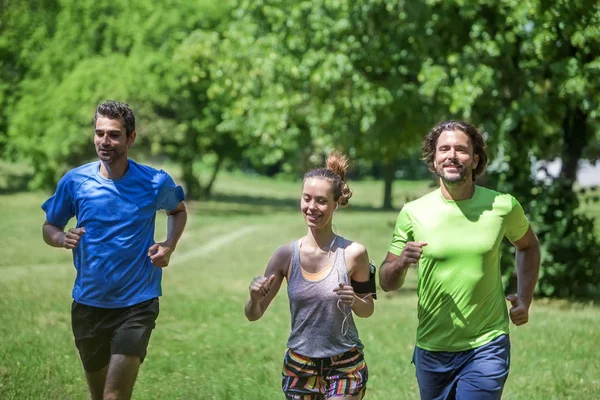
pixel 368 286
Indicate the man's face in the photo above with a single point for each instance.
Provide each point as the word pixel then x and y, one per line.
pixel 454 159
pixel 110 139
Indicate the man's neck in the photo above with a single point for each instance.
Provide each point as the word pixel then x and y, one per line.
pixel 114 170
pixel 461 191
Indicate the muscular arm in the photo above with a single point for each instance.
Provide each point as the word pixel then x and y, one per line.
pixel 528 265
pixel 392 272
pixel 262 290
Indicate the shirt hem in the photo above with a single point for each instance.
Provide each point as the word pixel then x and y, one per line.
pixel 466 348
pixel 128 303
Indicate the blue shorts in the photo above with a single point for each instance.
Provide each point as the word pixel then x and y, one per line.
pixel 473 374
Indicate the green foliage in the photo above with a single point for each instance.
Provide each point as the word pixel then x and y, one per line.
pixel 23 30
pixel 526 72
pixel 99 50
pixel 306 77
pixel 569 243
pixel 277 84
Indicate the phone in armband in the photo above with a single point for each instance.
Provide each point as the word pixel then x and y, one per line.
pixel 369 287
pixel 372 273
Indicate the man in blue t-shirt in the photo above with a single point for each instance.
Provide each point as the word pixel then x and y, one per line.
pixel 119 266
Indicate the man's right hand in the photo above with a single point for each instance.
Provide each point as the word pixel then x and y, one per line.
pixel 412 252
pixel 259 287
pixel 72 237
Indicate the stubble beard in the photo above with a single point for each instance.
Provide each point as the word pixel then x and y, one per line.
pixel 114 157
pixel 454 180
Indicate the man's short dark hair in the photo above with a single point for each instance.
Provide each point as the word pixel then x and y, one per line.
pixel 430 143
pixel 114 110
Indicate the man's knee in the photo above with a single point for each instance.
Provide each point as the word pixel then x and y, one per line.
pixel 122 373
pixel 114 395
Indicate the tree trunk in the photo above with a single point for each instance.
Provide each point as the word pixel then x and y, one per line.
pixel 575 139
pixel 207 190
pixel 192 186
pixel 389 171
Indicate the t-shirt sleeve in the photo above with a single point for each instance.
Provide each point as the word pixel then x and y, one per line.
pixel 169 194
pixel 60 207
pixel 402 233
pixel 516 223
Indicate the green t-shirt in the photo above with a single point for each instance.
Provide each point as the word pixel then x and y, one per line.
pixel 461 298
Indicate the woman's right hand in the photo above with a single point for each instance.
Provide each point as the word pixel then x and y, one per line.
pixel 259 287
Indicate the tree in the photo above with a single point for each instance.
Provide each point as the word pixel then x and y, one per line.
pixel 322 74
pixel 98 50
pixel 527 72
pixel 196 114
pixel 24 25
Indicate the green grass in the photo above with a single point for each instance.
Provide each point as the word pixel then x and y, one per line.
pixel 203 347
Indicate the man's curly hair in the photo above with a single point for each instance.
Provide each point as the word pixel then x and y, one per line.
pixel 430 143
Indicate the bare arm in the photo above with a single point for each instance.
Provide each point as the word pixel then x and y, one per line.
pixel 392 273
pixel 528 265
pixel 56 236
pixel 160 253
pixel 393 269
pixel 357 260
pixel 176 221
pixel 263 289
pixel 53 235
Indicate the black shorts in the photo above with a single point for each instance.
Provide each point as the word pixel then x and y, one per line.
pixel 101 332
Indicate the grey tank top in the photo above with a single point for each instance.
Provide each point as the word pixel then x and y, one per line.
pixel 316 319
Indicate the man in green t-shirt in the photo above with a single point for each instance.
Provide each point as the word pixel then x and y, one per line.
pixel 454 235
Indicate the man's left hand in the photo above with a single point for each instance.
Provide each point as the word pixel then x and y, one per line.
pixel 160 254
pixel 519 313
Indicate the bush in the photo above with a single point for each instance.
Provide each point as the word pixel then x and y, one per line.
pixel 569 244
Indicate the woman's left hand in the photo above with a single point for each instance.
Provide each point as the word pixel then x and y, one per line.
pixel 345 294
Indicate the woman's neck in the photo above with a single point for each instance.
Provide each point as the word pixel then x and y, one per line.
pixel 321 238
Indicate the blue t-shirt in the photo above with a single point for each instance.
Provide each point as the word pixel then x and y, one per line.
pixel 112 263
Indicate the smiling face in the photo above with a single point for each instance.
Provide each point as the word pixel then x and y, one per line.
pixel 317 204
pixel 454 160
pixel 111 141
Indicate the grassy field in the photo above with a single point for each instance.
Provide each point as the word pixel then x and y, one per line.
pixel 203 347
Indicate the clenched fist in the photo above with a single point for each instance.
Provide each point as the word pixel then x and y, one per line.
pixel 412 253
pixel 259 287
pixel 519 312
pixel 72 237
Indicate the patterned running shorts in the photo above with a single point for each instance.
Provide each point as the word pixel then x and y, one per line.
pixel 306 378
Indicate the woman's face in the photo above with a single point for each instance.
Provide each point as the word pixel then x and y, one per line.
pixel 317 204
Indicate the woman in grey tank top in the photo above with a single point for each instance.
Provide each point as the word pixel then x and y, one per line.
pixel 328 281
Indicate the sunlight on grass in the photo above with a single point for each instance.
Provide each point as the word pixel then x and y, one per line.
pixel 203 347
